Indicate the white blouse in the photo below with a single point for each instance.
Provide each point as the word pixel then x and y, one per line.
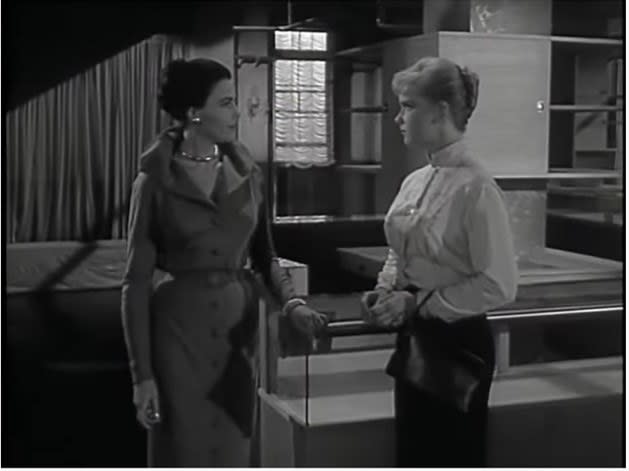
pixel 448 231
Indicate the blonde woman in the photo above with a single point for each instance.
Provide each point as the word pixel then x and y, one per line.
pixel 451 259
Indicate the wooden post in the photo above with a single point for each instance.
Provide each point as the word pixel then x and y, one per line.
pixel 503 348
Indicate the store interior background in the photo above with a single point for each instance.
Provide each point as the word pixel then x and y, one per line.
pixel 67 393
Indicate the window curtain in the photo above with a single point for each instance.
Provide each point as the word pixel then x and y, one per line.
pixel 302 118
pixel 72 152
pixel 301 113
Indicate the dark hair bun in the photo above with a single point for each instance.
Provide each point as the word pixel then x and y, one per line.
pixel 470 83
pixel 187 84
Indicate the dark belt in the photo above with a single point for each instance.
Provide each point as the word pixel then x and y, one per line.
pixel 216 277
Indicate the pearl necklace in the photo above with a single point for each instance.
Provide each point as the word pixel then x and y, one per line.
pixel 202 158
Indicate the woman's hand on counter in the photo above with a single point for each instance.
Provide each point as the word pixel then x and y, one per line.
pixel 307 320
pixel 393 309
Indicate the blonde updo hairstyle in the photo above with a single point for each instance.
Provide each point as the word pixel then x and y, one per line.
pixel 440 80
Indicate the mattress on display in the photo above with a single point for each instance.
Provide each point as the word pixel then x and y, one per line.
pixel 65 265
pixel 73 266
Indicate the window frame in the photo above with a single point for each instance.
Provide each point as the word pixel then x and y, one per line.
pixel 326 56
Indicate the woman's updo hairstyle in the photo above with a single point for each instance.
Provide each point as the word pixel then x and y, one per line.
pixel 186 84
pixel 439 79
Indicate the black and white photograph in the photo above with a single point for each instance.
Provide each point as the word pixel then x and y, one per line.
pixel 314 234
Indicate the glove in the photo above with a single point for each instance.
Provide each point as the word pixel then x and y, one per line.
pixel 368 300
pixel 394 309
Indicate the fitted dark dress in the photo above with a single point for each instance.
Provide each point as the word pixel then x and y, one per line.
pixel 189 303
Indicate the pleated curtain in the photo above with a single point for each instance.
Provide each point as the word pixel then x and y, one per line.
pixel 72 152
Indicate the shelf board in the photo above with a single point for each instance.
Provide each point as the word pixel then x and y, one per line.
pixel 327 219
pixel 364 109
pixel 371 53
pixel 610 219
pixel 302 165
pixel 592 151
pixel 584 108
pixel 569 173
pixel 365 168
pixel 581 41
pixel 562 174
pixel 594 191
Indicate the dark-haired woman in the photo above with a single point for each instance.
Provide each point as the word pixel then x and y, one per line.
pixel 197 217
pixel 451 259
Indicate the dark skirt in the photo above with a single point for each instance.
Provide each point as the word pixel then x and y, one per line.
pixel 431 432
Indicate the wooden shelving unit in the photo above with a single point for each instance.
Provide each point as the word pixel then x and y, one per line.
pixel 586 122
pixel 564 123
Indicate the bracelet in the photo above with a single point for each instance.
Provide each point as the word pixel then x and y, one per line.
pixel 292 304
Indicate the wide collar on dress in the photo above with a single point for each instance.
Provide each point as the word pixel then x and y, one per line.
pixel 238 167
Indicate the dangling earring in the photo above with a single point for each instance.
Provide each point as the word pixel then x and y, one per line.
pixel 196 120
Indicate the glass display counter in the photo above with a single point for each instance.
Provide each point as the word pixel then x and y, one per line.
pixel 328 402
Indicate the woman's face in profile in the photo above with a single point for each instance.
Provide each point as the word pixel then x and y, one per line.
pixel 417 120
pixel 219 115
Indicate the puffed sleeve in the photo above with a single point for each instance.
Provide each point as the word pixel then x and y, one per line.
pixel 388 273
pixel 264 260
pixel 137 281
pixel 490 245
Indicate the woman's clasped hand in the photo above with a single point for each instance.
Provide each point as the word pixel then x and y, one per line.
pixel 388 308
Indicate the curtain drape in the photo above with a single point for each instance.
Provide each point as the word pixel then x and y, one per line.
pixel 72 152
pixel 302 102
